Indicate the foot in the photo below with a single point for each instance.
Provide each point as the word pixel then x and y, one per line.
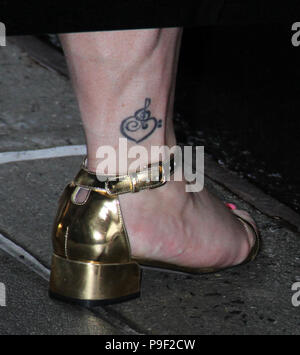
pixel 187 229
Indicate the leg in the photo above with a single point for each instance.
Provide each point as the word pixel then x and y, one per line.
pixel 113 73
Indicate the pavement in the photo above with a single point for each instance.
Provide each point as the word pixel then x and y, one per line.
pixel 38 111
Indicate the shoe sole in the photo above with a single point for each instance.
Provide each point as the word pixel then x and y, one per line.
pixel 92 303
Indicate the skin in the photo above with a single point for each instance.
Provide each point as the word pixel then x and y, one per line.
pixel 113 73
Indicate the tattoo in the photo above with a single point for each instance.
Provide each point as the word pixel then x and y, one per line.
pixel 140 126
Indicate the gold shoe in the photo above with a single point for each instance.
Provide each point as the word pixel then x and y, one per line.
pixel 92 262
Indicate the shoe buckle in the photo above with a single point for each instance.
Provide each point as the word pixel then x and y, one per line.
pixel 134 182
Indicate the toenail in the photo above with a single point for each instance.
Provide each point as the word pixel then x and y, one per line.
pixel 231 206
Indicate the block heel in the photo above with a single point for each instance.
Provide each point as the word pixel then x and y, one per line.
pixel 92 283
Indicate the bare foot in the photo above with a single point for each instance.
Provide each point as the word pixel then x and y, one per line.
pixel 187 229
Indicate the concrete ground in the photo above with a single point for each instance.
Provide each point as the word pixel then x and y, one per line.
pixel 38 111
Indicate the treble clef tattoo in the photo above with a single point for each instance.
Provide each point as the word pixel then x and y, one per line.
pixel 140 126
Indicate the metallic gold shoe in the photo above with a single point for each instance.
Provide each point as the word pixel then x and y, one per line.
pixel 92 262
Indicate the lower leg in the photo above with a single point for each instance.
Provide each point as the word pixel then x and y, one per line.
pixel 114 74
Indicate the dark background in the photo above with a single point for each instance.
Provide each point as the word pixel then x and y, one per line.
pixel 50 16
pixel 239 89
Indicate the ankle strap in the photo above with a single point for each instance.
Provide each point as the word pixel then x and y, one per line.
pixel 154 175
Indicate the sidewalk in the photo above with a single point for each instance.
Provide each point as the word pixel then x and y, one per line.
pixel 38 111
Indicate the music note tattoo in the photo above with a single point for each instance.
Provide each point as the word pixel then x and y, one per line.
pixel 140 126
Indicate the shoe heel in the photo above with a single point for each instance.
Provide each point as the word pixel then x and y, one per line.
pixel 92 283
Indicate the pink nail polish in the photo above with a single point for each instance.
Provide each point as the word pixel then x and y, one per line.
pixel 231 206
